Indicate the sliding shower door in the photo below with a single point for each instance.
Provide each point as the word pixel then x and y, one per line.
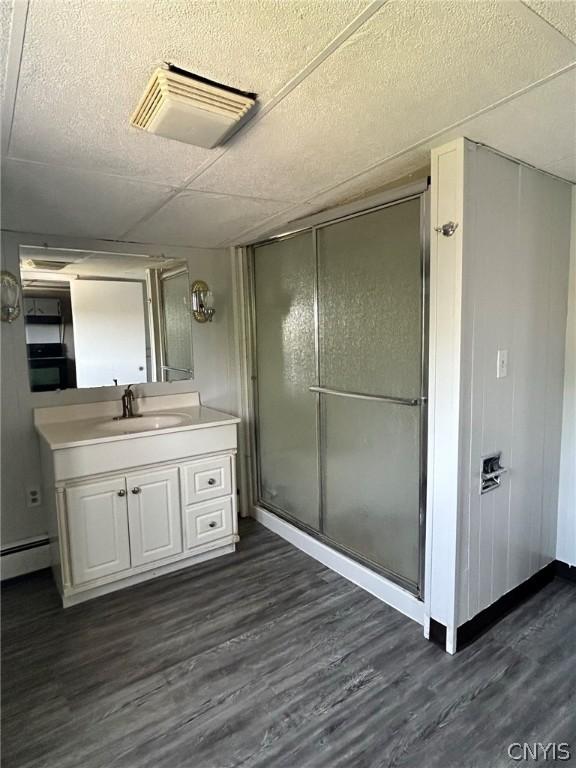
pixel 370 330
pixel 340 384
pixel 285 277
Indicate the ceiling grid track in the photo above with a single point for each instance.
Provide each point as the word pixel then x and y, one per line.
pixel 171 200
pixel 12 74
pixel 545 20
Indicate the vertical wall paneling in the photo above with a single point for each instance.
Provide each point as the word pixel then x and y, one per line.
pixel 566 540
pixel 515 261
pixel 444 388
pixel 500 283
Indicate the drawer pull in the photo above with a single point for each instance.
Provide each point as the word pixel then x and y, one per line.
pixel 136 490
pixel 212 524
pixel 122 492
pixel 211 481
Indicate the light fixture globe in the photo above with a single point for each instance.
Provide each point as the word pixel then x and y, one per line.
pixel 9 297
pixel 202 302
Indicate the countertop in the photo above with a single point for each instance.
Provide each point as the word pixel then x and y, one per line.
pixel 71 432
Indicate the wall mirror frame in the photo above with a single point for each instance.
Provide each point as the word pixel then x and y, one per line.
pixel 101 318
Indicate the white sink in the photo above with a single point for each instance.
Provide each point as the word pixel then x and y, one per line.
pixel 147 423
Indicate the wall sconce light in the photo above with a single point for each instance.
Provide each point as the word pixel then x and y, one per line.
pixel 9 297
pixel 202 302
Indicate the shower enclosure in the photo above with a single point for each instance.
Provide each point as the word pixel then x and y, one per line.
pixel 339 351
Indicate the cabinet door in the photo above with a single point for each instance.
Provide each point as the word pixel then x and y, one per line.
pixel 98 529
pixel 154 514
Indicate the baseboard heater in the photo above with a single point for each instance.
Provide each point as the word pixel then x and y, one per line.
pixel 12 549
pixel 24 557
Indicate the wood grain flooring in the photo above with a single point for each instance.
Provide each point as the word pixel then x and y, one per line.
pixel 266 659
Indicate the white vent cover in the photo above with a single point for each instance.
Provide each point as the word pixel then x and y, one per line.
pixel 188 109
pixel 52 264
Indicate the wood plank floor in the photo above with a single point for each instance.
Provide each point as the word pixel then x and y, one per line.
pixel 265 658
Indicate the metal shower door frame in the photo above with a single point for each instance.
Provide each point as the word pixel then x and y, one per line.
pixel 318 390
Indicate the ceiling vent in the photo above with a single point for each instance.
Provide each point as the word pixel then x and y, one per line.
pixel 188 108
pixel 49 265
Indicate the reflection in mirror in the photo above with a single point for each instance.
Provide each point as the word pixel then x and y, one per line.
pixel 96 319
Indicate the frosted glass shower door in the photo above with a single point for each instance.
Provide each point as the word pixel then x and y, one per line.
pixel 370 355
pixel 177 320
pixel 284 279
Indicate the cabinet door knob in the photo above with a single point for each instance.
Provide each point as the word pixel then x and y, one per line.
pixel 122 492
pixel 211 481
pixel 212 524
pixel 136 490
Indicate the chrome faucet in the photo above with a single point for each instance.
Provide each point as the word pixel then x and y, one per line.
pixel 127 405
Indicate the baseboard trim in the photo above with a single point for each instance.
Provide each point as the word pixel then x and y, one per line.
pixel 24 557
pixel 486 619
pixel 358 574
pixel 438 633
pixel 565 571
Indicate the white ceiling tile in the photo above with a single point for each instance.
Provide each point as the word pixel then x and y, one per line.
pixel 409 166
pixel 86 63
pixel 5 26
pixel 59 201
pixel 410 71
pixel 560 13
pixel 272 224
pixel 202 219
pixel 565 167
pixel 538 127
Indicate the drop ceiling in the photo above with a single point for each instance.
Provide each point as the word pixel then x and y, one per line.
pixel 352 95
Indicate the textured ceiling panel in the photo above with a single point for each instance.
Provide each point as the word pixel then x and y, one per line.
pixel 86 63
pixel 59 201
pixel 5 24
pixel 203 220
pixel 538 127
pixel 522 128
pixel 411 164
pixel 411 70
pixel 560 13
pixel 565 168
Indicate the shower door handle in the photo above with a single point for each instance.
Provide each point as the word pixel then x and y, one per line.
pixel 364 396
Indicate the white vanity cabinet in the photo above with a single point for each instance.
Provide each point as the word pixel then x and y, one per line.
pixel 135 506
pixel 154 516
pixel 97 518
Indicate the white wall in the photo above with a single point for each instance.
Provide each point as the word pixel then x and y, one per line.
pixel 499 283
pixel 515 268
pixel 215 372
pixel 566 542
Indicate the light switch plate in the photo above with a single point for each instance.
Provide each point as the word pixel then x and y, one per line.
pixel 502 364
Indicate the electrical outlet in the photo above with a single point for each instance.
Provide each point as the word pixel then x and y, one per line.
pixel 33 496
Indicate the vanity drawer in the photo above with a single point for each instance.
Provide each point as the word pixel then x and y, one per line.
pixel 209 479
pixel 207 522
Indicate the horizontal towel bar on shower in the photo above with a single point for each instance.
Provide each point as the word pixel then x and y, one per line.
pixel 363 396
pixel 180 370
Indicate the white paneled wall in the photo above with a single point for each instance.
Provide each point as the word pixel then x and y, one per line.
pixel 566 540
pixel 515 257
pixel 215 372
pixel 503 279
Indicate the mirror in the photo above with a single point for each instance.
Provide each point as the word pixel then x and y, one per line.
pixel 96 319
